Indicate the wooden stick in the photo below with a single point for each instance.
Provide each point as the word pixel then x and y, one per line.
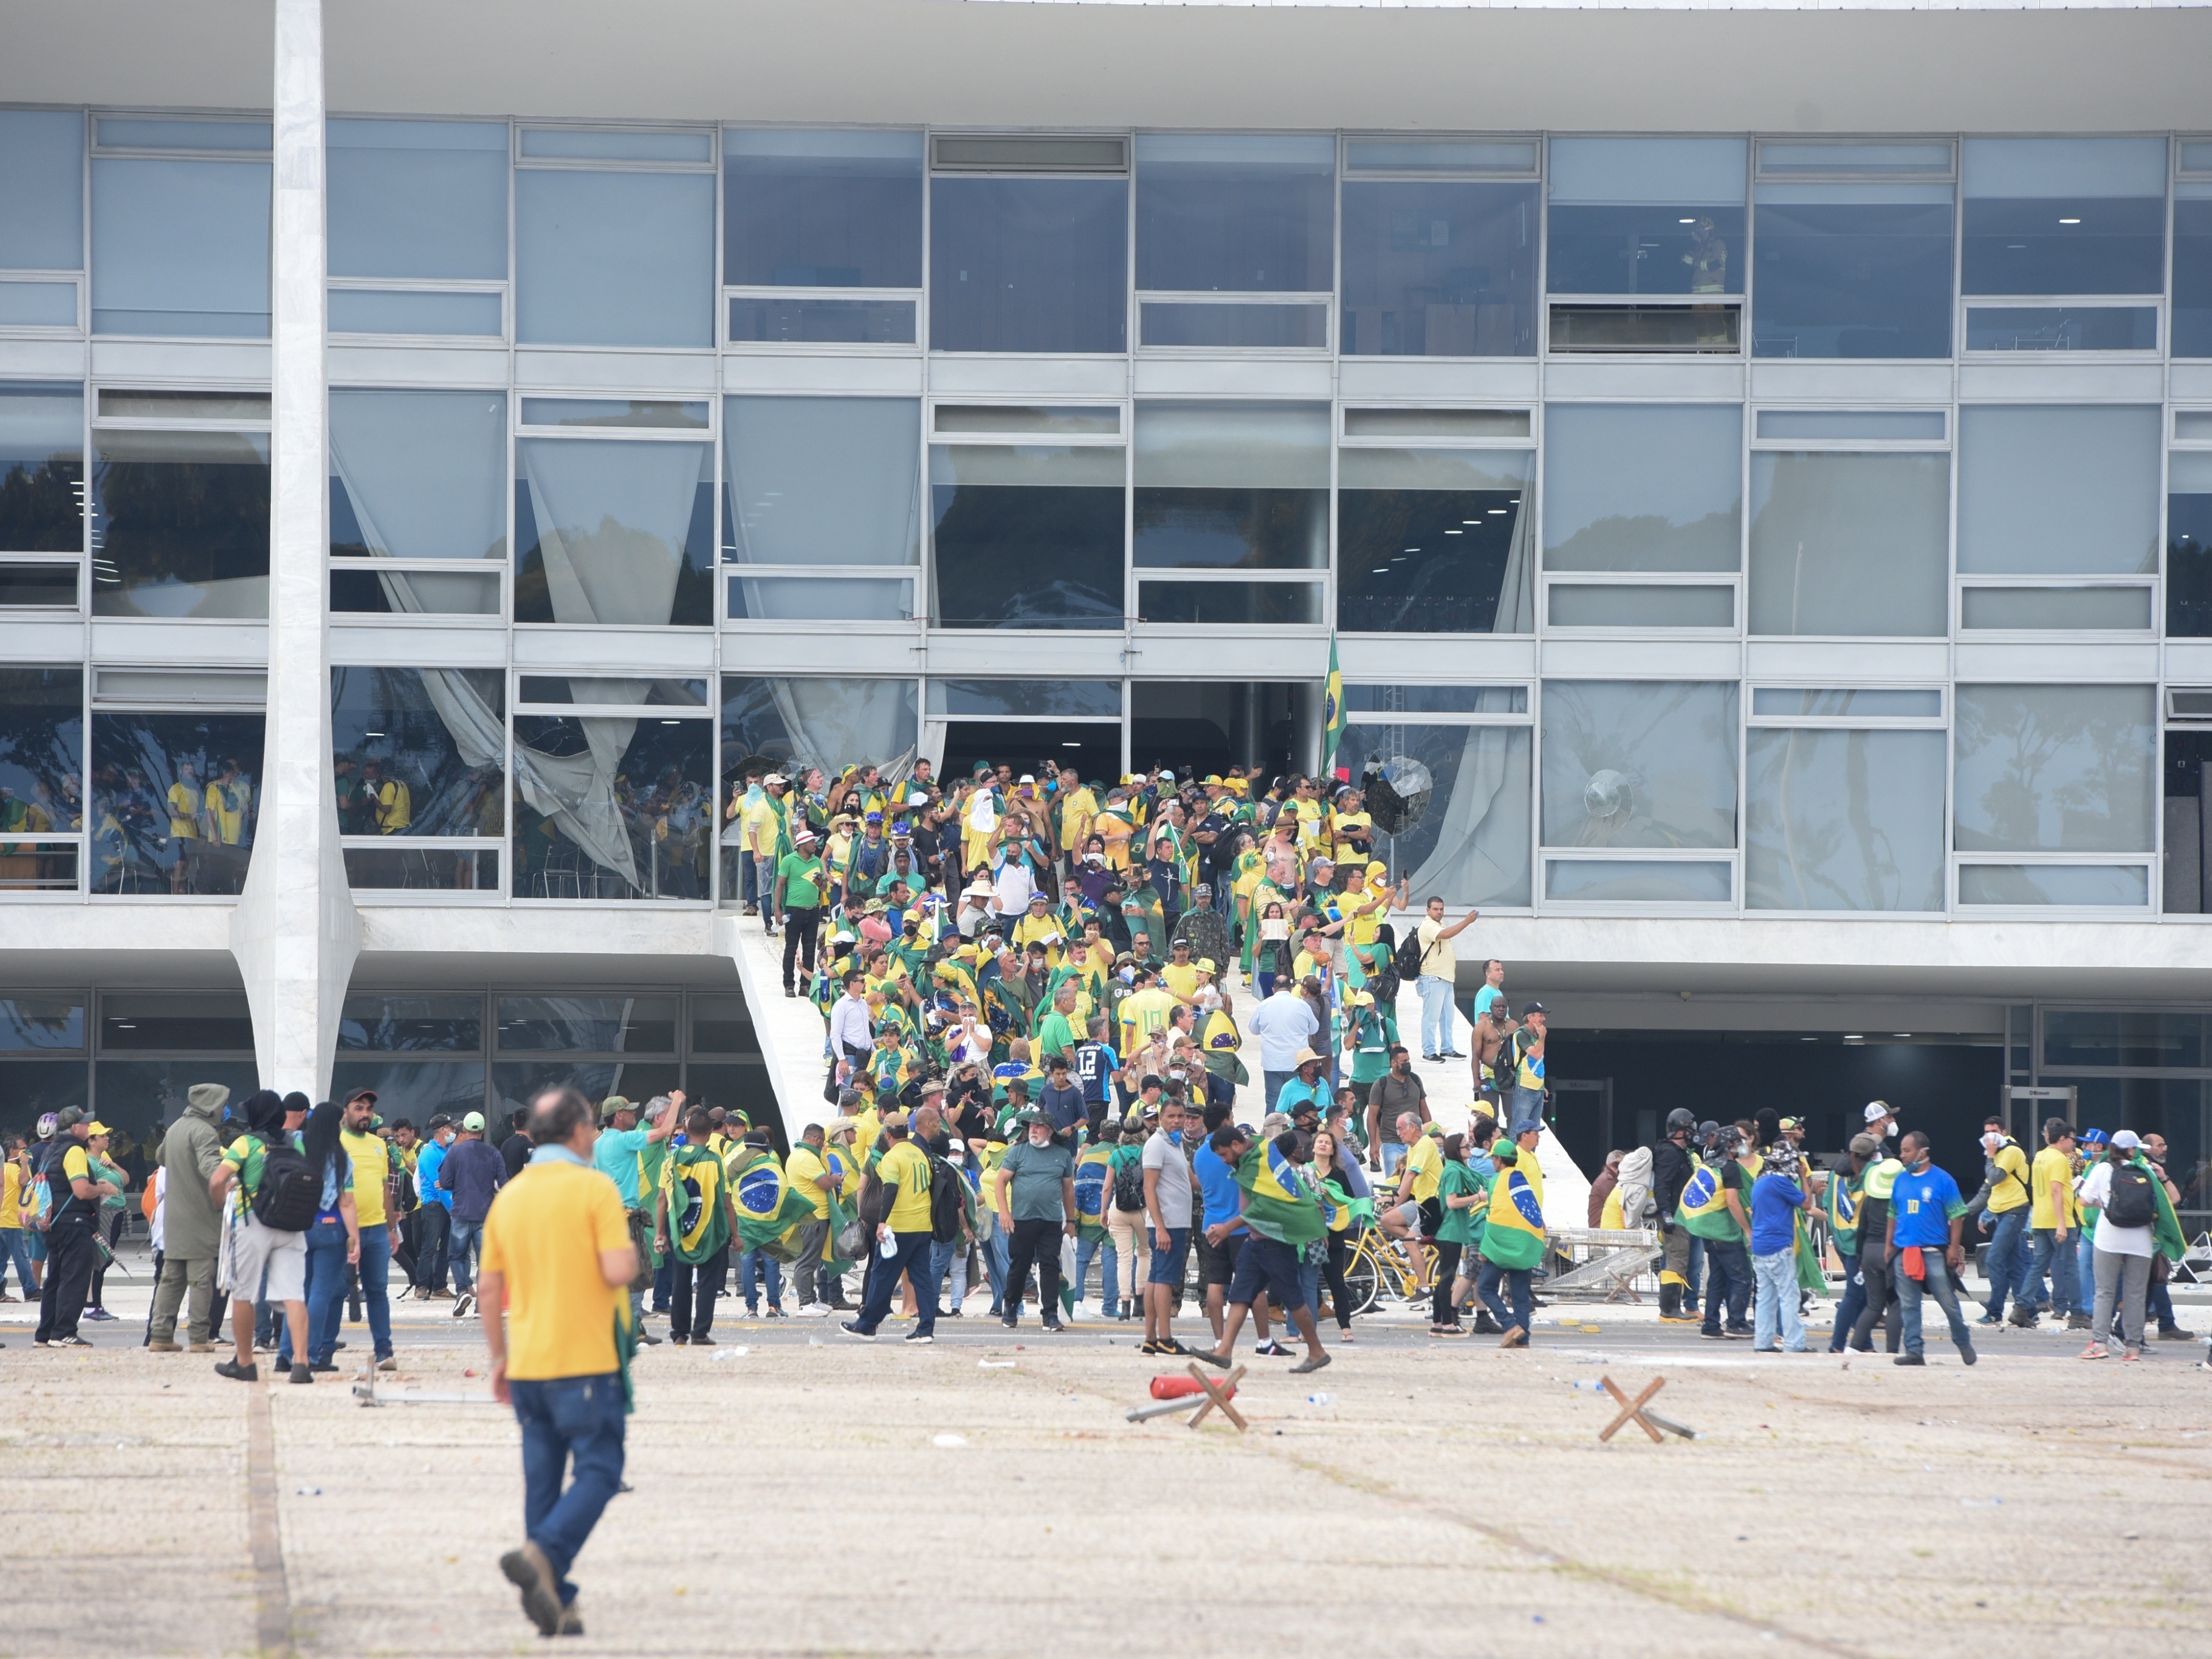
pixel 1217 1397
pixel 1632 1411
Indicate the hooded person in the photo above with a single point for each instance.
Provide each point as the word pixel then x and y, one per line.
pixel 191 1221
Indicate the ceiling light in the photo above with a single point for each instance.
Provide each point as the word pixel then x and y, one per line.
pixel 1454 532
pixel 671 722
pixel 1496 513
pixel 1855 1036
pixel 1808 1039
pixel 1685 221
pixel 1382 571
pixel 2070 222
pixel 1901 1034
pixel 1071 743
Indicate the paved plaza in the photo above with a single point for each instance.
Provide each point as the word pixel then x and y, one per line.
pixel 800 1493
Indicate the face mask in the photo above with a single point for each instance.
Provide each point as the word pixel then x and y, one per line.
pixel 1890 1132
pixel 1175 1137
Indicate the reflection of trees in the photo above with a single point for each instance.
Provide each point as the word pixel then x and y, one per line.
pixel 39 511
pixel 2022 733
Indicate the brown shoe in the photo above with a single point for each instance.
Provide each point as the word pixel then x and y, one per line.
pixel 572 1622
pixel 204 1348
pixel 163 1347
pixel 1513 1335
pixel 529 1571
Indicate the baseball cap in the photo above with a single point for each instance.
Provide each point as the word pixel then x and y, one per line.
pixel 1528 1008
pixel 473 1123
pixel 1876 1111
pixel 613 1104
pixel 96 1128
pixel 2124 1140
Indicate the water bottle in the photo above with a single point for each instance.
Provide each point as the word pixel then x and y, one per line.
pixel 1321 1399
pixel 888 1247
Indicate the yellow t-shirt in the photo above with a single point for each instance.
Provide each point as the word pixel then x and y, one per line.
pixel 869 1125
pixel 11 1197
pixel 1144 1016
pixel 907 1166
pixel 372 1161
pixel 844 1162
pixel 544 1234
pixel 1115 827
pixel 1076 811
pixel 2011 1190
pixel 183 811
pixel 1183 981
pixel 1340 824
pixel 2052 1164
pixel 395 807
pixel 1363 916
pixel 1425 1157
pixel 1310 816
pixel 1307 963
pixel 803 1169
pixel 1047 929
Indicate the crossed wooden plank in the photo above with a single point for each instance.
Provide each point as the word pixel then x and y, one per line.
pixel 1632 1411
pixel 1217 1397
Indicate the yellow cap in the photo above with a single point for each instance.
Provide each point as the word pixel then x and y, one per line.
pixel 96 1128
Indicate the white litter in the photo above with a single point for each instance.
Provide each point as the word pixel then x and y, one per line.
pixel 949 1442
pixel 729 1354
pixel 995 1365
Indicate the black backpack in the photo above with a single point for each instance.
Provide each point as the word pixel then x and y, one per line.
pixel 1407 962
pixel 948 1200
pixel 2134 1200
pixel 1129 1186
pixel 291 1191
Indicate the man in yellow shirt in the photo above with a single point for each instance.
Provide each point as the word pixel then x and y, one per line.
pixel 2053 1215
pixel 1145 1011
pixel 1078 807
pixel 1413 1215
pixel 904 1240
pixel 390 801
pixel 229 804
pixel 557 1257
pixel 2005 1177
pixel 1181 975
pixel 1040 926
pixel 807 1171
pixel 372 1162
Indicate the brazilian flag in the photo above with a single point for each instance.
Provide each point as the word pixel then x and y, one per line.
pixel 1277 1204
pixel 1094 1180
pixel 1513 1228
pixel 1332 710
pixel 841 1217
pixel 770 1210
pixel 698 1220
pixel 1703 1209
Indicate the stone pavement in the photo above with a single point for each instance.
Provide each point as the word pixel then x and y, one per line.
pixel 794 1495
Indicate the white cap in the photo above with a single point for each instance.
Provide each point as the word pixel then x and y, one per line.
pixel 2126 1140
pixel 1025 778
pixel 1878 1109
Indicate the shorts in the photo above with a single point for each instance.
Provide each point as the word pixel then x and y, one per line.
pixel 1168 1265
pixel 1275 1264
pixel 1422 1216
pixel 256 1251
pixel 1217 1263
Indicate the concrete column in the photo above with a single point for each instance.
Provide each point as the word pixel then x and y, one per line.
pixel 296 932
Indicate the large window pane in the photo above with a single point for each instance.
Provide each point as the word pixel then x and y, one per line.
pixel 515 1084
pixel 1249 214
pixel 1435 541
pixel 414 1089
pixel 1029 264
pixel 1231 486
pixel 1853 270
pixel 453 1024
pixel 821 209
pixel 180 248
pixel 2189 544
pixel 1643 486
pixel 2063 216
pixel 41 760
pixel 180 523
pixel 822 481
pixel 2055 768
pixel 1646 215
pixel 611 808
pixel 614 258
pixel 989 699
pixel 798 723
pixel 1229 605
pixel 2191 319
pixel 141 1095
pixel 1843 821
pixel 418 752
pixel 1025 537
pixel 418 198
pixel 1639 763
pixel 612 532
pixel 41 190
pixel 2046 490
pixel 41 469
pixel 589 1024
pixel 175 801
pixel 1468 839
pixel 1439 269
pixel 37 1024
pixel 418 474
pixel 1850 544
pixel 2093 886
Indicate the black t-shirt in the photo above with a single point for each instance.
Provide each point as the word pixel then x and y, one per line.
pixel 514 1151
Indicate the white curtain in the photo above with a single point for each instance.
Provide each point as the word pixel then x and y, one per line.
pixel 1516 592
pixel 1481 851
pixel 836 723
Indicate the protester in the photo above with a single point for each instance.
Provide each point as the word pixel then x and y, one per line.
pixel 261 1259
pixel 471 1176
pixel 1926 1219
pixel 191 1223
pixel 1777 1198
pixel 1035 1197
pixel 72 1225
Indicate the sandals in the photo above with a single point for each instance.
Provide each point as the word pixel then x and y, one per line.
pixel 1448 1330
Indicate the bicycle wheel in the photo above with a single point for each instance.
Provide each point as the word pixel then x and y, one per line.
pixel 1362 1278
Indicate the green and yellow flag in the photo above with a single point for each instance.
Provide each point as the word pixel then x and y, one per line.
pixel 770 1210
pixel 1277 1203
pixel 1513 1226
pixel 698 1220
pixel 1703 1209
pixel 1332 710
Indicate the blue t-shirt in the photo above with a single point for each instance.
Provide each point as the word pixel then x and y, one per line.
pixel 1217 1180
pixel 1774 1203
pixel 616 1152
pixel 1295 1094
pixel 1923 1205
pixel 1095 1063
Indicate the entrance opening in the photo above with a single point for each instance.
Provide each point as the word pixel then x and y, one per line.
pixel 1210 725
pixel 1092 748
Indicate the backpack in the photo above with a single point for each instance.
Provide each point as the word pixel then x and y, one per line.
pixel 291 1191
pixel 948 1200
pixel 1407 962
pixel 2134 1201
pixel 1129 1186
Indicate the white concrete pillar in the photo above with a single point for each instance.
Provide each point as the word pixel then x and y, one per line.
pixel 296 932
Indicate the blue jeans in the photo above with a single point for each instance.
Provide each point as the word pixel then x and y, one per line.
pixel 2057 1259
pixel 376 1273
pixel 1847 1309
pixel 579 1417
pixel 15 1248
pixel 1938 1285
pixel 1088 1244
pixel 1727 1285
pixel 461 1244
pixel 326 1285
pixel 948 1268
pixel 912 1254
pixel 1528 1108
pixel 2006 1261
pixel 1775 1273
pixel 1436 1012
pixel 750 1274
pixel 1515 1282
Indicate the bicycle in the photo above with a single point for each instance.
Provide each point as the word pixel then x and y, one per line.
pixel 1376 1261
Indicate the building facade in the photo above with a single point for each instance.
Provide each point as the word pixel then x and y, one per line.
pixel 1757 474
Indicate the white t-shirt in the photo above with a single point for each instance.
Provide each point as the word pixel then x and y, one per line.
pixel 1164 1155
pixel 1014 884
pixel 2096 1187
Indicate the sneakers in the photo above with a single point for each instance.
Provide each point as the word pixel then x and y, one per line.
pixel 1513 1337
pixel 1966 1353
pixel 647 1338
pixel 919 1337
pixel 1909 1359
pixel 72 1340
pixel 2096 1350
pixel 1990 1319
pixel 529 1571
pixel 572 1622
pixel 814 1310
pixel 98 1313
pixel 1273 1349
pixel 462 1303
pixel 1056 1329
pixel 387 1364
pixel 304 1373
pixel 238 1373
pixel 853 1327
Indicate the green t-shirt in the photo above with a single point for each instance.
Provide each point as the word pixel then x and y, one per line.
pixel 1457 1226
pixel 802 879
pixel 1034 1174
pixel 1055 1036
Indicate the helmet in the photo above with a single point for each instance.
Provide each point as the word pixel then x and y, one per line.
pixel 1680 1119
pixel 46 1123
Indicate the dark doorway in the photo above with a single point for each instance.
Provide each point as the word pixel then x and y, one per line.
pixel 1210 725
pixel 1093 748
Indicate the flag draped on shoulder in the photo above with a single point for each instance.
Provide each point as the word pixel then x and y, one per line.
pixel 770 1210
pixel 1277 1204
pixel 1703 1209
pixel 1513 1226
pixel 698 1221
